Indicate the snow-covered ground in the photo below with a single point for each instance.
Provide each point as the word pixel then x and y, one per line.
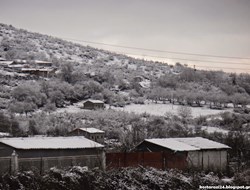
pixel 210 129
pixel 70 109
pixel 162 109
pixel 150 108
pixel 75 108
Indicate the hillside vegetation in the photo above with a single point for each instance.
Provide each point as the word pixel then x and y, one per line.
pixel 85 72
pixel 126 179
pixel 29 103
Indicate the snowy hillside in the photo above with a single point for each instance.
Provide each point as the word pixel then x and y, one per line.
pixel 21 44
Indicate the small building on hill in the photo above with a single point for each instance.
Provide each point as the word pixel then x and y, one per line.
pixel 5 64
pixel 93 104
pixel 201 153
pixel 4 134
pixel 43 153
pixel 42 63
pixel 41 72
pixel 94 134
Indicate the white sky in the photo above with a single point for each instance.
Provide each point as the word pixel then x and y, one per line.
pixel 216 27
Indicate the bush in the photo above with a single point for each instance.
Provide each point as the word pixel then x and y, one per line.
pixel 242 178
pixel 139 100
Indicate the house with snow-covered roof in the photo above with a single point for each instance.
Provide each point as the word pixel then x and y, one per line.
pixel 91 133
pixel 46 152
pixel 200 152
pixel 4 134
pixel 93 104
pixel 42 72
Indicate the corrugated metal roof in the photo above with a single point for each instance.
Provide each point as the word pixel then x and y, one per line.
pixel 50 143
pixel 188 144
pixel 91 130
pixel 202 143
pixel 172 144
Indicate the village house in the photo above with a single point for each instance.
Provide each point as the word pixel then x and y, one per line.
pixel 32 67
pixel 93 104
pixel 4 134
pixel 5 63
pixel 200 153
pixel 42 63
pixel 41 72
pixel 43 153
pixel 94 134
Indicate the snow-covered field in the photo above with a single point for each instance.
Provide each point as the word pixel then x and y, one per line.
pixel 210 129
pixel 75 108
pixel 162 109
pixel 150 108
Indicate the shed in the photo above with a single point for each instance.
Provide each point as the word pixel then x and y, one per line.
pixel 93 104
pixel 46 152
pixel 91 133
pixel 201 153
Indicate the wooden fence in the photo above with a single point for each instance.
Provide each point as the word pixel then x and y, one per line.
pixel 13 164
pixel 159 160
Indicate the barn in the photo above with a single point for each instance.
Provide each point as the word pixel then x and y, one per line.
pixel 93 104
pixel 91 133
pixel 201 153
pixel 46 152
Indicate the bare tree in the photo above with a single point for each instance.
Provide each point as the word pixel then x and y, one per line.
pixel 185 113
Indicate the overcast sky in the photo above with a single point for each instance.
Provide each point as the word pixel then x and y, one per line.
pixel 216 27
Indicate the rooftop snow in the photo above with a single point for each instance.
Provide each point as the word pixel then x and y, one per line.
pixel 188 144
pixel 6 62
pixel 3 134
pixel 172 144
pixel 20 61
pixel 37 69
pixel 15 66
pixel 95 101
pixel 91 130
pixel 50 143
pixel 45 62
pixel 202 143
